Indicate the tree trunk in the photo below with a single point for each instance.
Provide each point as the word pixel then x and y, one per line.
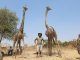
pixel 49 47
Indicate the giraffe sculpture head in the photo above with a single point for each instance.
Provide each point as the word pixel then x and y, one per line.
pixel 47 9
pixel 25 8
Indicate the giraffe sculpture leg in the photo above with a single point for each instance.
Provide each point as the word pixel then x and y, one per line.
pixel 14 49
pixel 49 46
pixel 18 47
pixel 14 44
pixel 58 49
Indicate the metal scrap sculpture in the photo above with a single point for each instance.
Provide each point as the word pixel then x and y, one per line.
pixel 20 34
pixel 50 33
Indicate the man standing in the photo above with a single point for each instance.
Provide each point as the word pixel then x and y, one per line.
pixel 78 43
pixel 1 55
pixel 39 44
pixel 10 51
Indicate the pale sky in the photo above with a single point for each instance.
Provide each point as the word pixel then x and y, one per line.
pixel 65 17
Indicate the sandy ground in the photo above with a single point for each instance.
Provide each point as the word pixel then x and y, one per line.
pixel 28 54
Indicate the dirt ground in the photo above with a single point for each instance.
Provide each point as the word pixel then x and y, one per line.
pixel 28 54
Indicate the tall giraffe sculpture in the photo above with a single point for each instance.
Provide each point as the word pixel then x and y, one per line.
pixel 20 34
pixel 50 33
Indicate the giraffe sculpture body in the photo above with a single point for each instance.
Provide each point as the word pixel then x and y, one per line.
pixel 50 33
pixel 20 34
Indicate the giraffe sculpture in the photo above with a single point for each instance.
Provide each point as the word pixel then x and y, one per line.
pixel 20 34
pixel 50 33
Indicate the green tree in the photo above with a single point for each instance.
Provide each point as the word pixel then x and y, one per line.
pixel 8 24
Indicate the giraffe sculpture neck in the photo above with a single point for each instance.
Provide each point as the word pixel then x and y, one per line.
pixel 46 24
pixel 23 18
pixel 46 13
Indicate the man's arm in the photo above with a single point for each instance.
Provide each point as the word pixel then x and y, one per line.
pixel 35 41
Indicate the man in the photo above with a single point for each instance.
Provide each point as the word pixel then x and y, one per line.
pixel 10 51
pixel 78 44
pixel 39 44
pixel 1 55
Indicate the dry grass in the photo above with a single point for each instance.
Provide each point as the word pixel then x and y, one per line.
pixel 28 54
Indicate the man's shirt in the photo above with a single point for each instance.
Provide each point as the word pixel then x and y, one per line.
pixel 39 40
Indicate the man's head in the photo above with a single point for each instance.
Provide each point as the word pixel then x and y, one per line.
pixel 40 34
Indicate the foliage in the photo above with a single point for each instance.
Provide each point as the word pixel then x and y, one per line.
pixel 65 43
pixel 8 23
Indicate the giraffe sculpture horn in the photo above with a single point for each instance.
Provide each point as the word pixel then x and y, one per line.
pixel 46 13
